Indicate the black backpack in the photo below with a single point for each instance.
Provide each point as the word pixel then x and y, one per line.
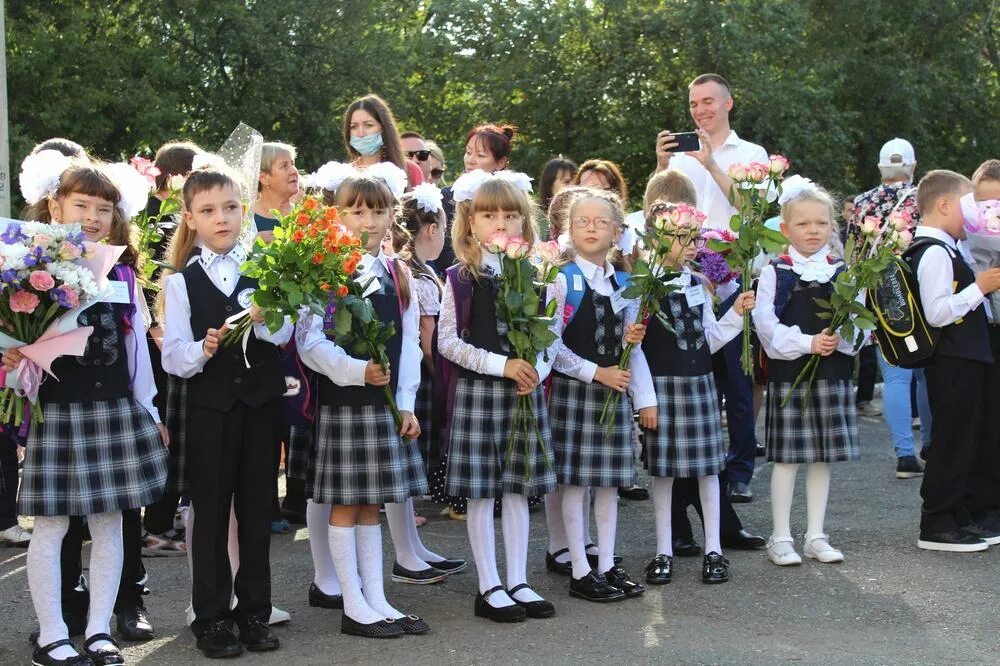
pixel 903 334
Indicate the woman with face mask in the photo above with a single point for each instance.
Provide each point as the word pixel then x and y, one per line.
pixel 371 136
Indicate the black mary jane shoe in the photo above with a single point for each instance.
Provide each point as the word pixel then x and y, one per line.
pixel 257 636
pixel 594 587
pixel 483 608
pixel 219 642
pixel 427 576
pixel 319 599
pixel 382 629
pixel 413 625
pixel 133 624
pixel 714 569
pixel 592 557
pixel 660 570
pixel 535 609
pixel 555 566
pixel 41 656
pixel 618 577
pixel 106 656
pixel 450 566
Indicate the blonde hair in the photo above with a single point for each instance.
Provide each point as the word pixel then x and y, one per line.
pixel 494 195
pixel 615 256
pixel 818 195
pixel 670 185
pixel 558 212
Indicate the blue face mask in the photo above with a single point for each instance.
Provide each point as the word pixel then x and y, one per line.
pixel 367 145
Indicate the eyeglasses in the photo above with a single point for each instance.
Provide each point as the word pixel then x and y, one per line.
pixel 421 155
pixel 699 242
pixel 599 222
pixel 437 173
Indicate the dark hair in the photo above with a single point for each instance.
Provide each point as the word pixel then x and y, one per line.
pixel 392 149
pixel 496 138
pixel 65 146
pixel 174 159
pixel 553 169
pixel 412 135
pixel 711 78
pixel 611 173
pixel 988 170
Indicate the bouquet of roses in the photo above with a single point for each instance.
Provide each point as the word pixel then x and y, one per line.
pixel 651 281
pixel 752 183
pixel 982 227
pixel 48 275
pixel 521 293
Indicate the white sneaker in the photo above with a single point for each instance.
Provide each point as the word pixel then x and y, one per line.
pixel 781 551
pixel 15 535
pixel 817 547
pixel 278 616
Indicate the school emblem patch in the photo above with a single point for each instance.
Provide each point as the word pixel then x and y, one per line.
pixel 243 298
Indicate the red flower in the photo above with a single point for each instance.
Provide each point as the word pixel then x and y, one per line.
pixel 318 258
pixel 302 219
pixel 298 236
pixel 342 291
pixel 325 286
pixel 310 204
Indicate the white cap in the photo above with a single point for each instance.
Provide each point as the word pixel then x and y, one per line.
pixel 897 152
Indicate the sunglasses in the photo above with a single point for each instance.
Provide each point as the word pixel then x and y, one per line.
pixel 437 173
pixel 421 155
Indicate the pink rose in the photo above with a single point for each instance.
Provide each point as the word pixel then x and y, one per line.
pixel 41 280
pixel 23 301
pixel 517 248
pixel 548 252
pixel 777 165
pixel 905 238
pixel 496 243
pixel 870 225
pixel 146 169
pixel 757 172
pixel 68 298
pixel 70 251
pixel 900 220
pixel 738 172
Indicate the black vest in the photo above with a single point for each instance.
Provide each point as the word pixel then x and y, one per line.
pixel 684 352
pixel 387 309
pixel 968 337
pixel 802 311
pixel 595 332
pixel 225 379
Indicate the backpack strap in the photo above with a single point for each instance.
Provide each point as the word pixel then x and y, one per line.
pixel 126 274
pixel 393 269
pixel 576 287
pixel 785 279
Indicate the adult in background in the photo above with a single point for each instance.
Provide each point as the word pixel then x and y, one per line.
pixel 371 136
pixel 710 102
pixel 438 165
pixel 557 174
pixel 416 149
pixel 277 184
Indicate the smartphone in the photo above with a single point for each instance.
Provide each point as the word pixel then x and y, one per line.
pixel 686 142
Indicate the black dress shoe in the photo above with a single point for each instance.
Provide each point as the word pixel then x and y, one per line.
pixel 592 558
pixel 218 641
pixel 714 569
pixel 413 625
pixel 133 624
pixel 952 541
pixel 450 566
pixel 41 656
pixel 381 629
pixel 427 576
pixel 555 566
pixel 685 547
pixel 319 599
pixel 257 635
pixel 660 570
pixel 482 608
pixel 535 609
pixel 76 603
pixel 594 587
pixel 739 493
pixel 635 493
pixel 618 577
pixel 109 655
pixel 743 540
pixel 759 450
pixel 293 516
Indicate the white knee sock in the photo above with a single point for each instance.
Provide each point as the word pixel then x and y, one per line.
pixel 554 524
pixel 663 487
pixel 479 521
pixel 515 540
pixel 324 573
pixel 782 491
pixel 344 550
pixel 419 548
pixel 369 538
pixel 106 557
pixel 397 516
pixel 574 498
pixel 817 494
pixel 44 581
pixel 587 538
pixel 708 493
pixel 606 513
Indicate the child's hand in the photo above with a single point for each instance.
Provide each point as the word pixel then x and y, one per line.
pixel 11 359
pixel 745 302
pixel 634 334
pixel 523 373
pixel 824 344
pixel 375 376
pixel 410 427
pixel 164 434
pixel 988 281
pixel 256 314
pixel 213 337
pixel 647 418
pixel 613 377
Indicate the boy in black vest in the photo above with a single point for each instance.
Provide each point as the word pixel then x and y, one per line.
pixel 951 297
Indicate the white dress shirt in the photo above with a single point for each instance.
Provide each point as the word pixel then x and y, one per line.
pixel 936 276
pixel 183 356
pixel 328 358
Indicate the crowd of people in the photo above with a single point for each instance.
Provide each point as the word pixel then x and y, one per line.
pixel 158 439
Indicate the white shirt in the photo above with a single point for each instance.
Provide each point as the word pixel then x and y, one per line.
pixel 327 357
pixel 183 356
pixel 787 343
pixel 935 277
pixel 711 199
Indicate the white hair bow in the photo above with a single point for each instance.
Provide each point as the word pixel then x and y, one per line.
pixel 331 175
pixel 390 174
pixel 793 186
pixel 40 173
pixel 466 186
pixel 133 188
pixel 428 197
pixel 207 159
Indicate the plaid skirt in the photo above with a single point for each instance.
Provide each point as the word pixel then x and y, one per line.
pixel 92 457
pixel 299 452
pixel 359 458
pixel 480 462
pixel 688 440
pixel 585 454
pixel 824 429
pixel 423 409
pixel 174 418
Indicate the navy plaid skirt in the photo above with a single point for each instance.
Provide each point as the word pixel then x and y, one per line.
pixel 359 458
pixel 688 440
pixel 92 457
pixel 423 409
pixel 299 452
pixel 585 454
pixel 174 418
pixel 481 464
pixel 822 429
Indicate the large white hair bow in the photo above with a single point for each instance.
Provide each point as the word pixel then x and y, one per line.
pixel 793 186
pixel 40 173
pixel 207 160
pixel 428 197
pixel 390 174
pixel 331 175
pixel 466 186
pixel 133 188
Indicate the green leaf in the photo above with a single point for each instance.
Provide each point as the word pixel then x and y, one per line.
pixel 342 321
pixel 518 340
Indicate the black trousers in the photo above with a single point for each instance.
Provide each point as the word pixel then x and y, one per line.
pixel 867 373
pixel 230 461
pixel 984 487
pixel 956 388
pixel 8 482
pixel 685 494
pixel 159 516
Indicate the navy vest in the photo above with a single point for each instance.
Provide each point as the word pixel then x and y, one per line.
pixel 685 352
pixel 595 332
